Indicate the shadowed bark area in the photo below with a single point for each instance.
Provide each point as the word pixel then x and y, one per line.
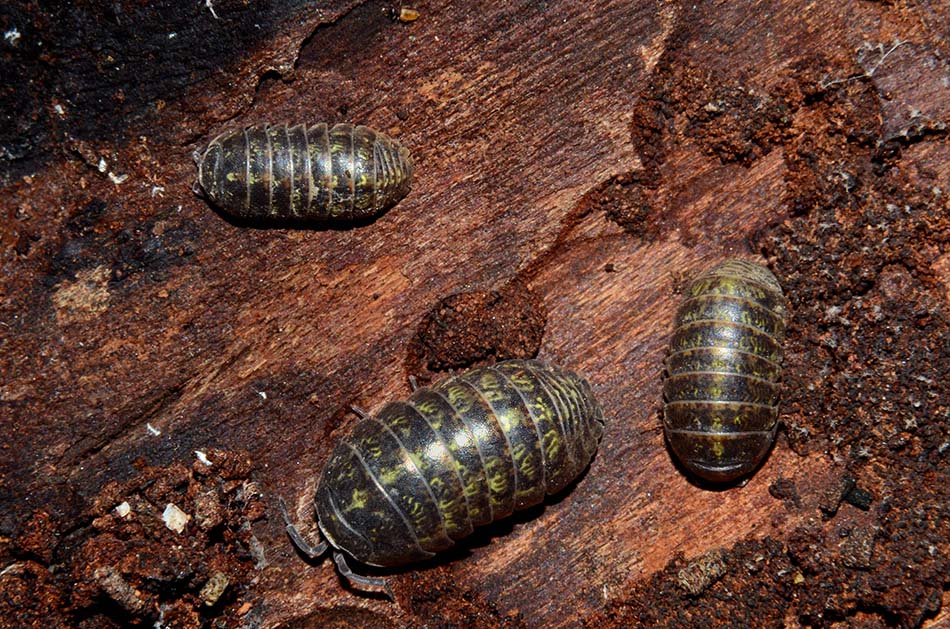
pixel 166 375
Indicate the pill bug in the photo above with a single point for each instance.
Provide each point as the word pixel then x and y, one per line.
pixel 723 369
pixel 416 476
pixel 300 172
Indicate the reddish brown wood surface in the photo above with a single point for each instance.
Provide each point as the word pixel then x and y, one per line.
pixel 588 155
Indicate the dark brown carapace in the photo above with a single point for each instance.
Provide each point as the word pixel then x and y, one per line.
pixel 723 370
pixel 414 477
pixel 305 173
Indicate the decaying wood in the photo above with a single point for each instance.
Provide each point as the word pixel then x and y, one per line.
pixel 575 163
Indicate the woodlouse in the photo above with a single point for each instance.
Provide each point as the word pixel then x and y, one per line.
pixel 723 368
pixel 301 172
pixel 416 476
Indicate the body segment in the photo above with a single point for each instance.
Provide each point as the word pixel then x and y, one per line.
pixel 416 476
pixel 723 369
pixel 300 172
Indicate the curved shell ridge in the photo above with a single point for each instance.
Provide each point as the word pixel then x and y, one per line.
pixel 429 540
pixel 492 442
pixel 524 443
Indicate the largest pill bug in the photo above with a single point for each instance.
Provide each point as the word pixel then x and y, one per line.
pixel 413 478
pixel 310 173
pixel 723 369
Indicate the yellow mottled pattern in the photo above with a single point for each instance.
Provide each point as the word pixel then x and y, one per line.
pixel 389 475
pixel 552 444
pixel 460 399
pixel 470 449
pixel 471 483
pixel 723 369
pixel 357 500
pixel 372 448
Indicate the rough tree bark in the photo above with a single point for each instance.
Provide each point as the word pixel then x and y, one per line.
pixel 576 162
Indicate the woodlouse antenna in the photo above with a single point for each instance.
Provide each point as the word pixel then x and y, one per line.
pixel 376 584
pixel 313 552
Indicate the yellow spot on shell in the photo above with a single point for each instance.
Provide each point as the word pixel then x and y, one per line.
pixel 498 483
pixel 358 500
pixel 417 462
pixel 389 475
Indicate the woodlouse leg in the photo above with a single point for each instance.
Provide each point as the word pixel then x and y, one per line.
pixel 371 583
pixel 359 410
pixel 413 383
pixel 312 552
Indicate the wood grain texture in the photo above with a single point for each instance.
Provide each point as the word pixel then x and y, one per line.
pixel 599 154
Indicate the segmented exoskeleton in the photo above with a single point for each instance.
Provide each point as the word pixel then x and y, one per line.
pixel 301 172
pixel 723 369
pixel 414 477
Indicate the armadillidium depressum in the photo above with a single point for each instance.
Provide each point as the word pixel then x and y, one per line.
pixel 723 369
pixel 416 476
pixel 306 173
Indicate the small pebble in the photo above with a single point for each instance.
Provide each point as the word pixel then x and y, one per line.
pixel 214 588
pixel 175 519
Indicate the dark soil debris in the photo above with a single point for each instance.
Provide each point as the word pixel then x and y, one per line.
pixel 470 328
pixel 784 489
pixel 132 563
pixel 752 589
pixel 627 202
pixel 735 122
pixel 31 596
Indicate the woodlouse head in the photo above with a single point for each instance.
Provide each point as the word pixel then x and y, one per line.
pixel 406 160
pixel 209 170
pixel 581 383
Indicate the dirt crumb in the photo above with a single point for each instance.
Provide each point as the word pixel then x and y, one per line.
pixel 627 202
pixel 784 489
